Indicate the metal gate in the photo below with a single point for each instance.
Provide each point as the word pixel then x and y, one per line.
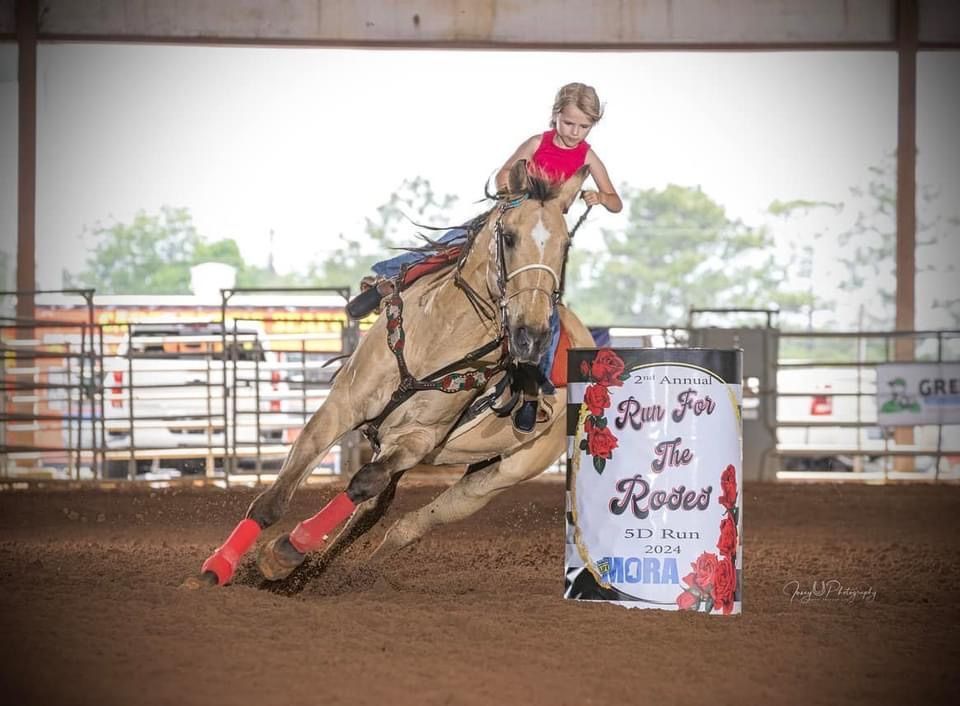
pixel 159 399
pixel 51 402
pixel 809 398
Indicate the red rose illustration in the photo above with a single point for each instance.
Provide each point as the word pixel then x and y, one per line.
pixel 727 544
pixel 724 586
pixel 704 568
pixel 601 443
pixel 728 484
pixel 597 399
pixel 588 426
pixel 687 601
pixel 607 368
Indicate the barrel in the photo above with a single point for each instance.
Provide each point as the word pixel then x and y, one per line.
pixel 654 478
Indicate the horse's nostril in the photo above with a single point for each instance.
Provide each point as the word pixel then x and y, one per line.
pixel 531 342
pixel 539 336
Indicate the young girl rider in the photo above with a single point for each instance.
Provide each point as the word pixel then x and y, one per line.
pixel 555 154
pixel 559 152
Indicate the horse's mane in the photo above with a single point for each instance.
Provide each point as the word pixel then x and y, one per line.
pixel 539 188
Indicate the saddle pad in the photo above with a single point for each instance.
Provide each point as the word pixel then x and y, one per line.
pixel 430 264
pixel 558 372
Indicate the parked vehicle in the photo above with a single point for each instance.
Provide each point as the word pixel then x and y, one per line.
pixel 192 385
pixel 310 369
pixel 827 421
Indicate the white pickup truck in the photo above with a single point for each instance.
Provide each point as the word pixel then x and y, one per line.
pixel 164 394
pixel 834 409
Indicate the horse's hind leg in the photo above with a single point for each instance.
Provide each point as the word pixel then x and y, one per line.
pixel 460 500
pixel 279 557
pixel 474 490
pixel 287 552
pixel 363 520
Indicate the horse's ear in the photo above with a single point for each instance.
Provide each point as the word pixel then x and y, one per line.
pixel 518 180
pixel 571 187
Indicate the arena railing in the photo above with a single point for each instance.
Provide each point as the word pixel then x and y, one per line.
pixel 822 402
pixel 86 438
pixel 827 423
pixel 51 412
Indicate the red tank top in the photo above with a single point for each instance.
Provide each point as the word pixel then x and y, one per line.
pixel 557 163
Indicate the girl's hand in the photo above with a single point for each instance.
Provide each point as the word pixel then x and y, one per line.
pixel 593 198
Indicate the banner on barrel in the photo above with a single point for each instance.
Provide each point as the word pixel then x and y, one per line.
pixel 654 501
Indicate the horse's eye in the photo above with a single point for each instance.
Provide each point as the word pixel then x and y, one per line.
pixel 509 238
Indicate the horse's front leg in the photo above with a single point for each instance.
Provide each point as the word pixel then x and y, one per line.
pixel 346 407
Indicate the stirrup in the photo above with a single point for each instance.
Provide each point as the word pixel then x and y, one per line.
pixel 525 418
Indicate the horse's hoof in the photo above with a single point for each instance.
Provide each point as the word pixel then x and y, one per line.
pixel 278 558
pixel 195 583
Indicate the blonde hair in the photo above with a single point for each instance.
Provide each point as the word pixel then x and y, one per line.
pixel 580 95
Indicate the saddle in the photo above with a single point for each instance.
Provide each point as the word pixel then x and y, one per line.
pixel 374 289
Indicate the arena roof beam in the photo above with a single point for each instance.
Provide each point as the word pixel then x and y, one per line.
pixel 535 24
pixel 611 24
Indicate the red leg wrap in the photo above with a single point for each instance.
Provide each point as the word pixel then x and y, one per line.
pixel 310 534
pixel 223 562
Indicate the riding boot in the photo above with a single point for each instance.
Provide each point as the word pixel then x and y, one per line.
pixel 369 298
pixel 525 418
pixel 527 384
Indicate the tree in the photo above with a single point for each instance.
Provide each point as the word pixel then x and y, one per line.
pixel 844 254
pixel 678 250
pixel 227 251
pixel 151 255
pixel 414 203
pixel 801 255
pixel 867 250
pixel 154 254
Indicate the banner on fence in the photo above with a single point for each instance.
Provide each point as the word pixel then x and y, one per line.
pixel 654 478
pixel 918 393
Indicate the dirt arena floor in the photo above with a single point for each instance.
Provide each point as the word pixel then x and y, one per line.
pixel 92 612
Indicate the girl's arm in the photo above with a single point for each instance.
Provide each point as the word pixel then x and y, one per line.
pixel 606 195
pixel 524 151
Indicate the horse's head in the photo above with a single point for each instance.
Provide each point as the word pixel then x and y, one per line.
pixel 528 249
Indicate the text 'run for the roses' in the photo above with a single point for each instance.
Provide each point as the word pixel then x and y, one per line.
pixel 669 453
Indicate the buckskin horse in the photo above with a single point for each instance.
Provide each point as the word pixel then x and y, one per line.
pixel 435 357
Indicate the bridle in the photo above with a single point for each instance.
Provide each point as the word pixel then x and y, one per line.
pixel 452 378
pixel 502 297
pixel 503 277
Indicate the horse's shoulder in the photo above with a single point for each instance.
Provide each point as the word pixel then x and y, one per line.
pixel 579 334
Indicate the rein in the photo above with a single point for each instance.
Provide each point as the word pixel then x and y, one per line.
pixel 563 269
pixel 450 379
pixel 447 379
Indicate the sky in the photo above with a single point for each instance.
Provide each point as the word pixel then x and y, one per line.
pixel 307 142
